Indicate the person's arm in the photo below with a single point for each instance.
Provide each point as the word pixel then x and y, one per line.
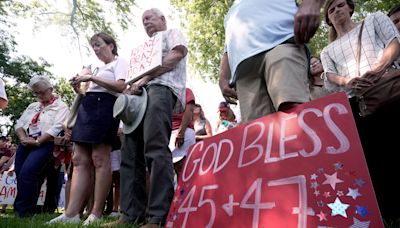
pixel 355 84
pixel 169 62
pixel 112 85
pixel 208 132
pixel 186 119
pixel 307 20
pixel 3 160
pixel 115 86
pixel 3 103
pixel 61 115
pixel 118 85
pixel 228 93
pixel 389 55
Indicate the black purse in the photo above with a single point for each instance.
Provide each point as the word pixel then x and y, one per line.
pixel 384 92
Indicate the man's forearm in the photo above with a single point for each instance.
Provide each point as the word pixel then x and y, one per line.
pixel 169 62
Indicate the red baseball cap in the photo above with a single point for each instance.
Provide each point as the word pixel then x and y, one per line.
pixel 223 106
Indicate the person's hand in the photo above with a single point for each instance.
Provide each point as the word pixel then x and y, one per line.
pixel 134 89
pixel 24 141
pixel 10 173
pixel 74 85
pixel 358 84
pixel 120 132
pixel 143 81
pixel 82 78
pixel 307 20
pixel 28 141
pixel 375 74
pixel 228 93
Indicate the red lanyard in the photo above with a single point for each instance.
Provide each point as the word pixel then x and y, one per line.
pixel 35 118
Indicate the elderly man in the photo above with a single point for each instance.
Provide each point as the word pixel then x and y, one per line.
pixel 147 145
pixel 264 53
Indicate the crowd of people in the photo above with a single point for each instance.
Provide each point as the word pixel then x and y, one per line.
pixel 130 140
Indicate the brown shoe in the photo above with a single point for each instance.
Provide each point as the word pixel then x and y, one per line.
pixel 115 223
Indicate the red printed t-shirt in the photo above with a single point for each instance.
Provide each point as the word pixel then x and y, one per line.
pixel 5 152
pixel 177 118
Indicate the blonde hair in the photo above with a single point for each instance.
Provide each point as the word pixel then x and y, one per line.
pixel 332 31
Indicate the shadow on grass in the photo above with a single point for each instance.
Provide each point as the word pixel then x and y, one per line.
pixel 9 220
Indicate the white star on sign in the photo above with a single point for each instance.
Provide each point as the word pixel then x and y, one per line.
pixel 353 193
pixel 358 224
pixel 338 208
pixel 314 176
pixel 332 180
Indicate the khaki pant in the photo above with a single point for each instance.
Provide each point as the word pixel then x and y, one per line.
pixel 268 79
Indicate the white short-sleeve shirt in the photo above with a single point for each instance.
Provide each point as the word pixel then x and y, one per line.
pixel 115 70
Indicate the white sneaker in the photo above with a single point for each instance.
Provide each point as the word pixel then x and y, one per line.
pixel 64 219
pixel 91 220
pixel 114 214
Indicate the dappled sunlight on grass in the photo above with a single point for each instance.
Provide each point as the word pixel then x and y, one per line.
pixel 10 220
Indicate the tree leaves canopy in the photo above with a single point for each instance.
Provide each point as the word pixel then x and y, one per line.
pixel 79 18
pixel 204 22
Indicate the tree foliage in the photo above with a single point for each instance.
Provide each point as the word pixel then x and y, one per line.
pixel 76 18
pixel 16 71
pixel 204 22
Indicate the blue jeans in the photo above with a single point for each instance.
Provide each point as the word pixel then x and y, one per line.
pixel 147 147
pixel 29 165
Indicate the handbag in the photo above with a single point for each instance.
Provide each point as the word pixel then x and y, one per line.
pixel 382 93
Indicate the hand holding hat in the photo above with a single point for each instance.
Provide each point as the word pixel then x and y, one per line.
pixel 130 109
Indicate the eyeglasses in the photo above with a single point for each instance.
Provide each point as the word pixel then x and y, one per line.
pixel 41 93
pixel 315 63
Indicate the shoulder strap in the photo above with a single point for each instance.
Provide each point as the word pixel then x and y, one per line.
pixel 358 57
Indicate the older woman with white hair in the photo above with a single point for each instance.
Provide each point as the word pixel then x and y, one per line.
pixel 36 128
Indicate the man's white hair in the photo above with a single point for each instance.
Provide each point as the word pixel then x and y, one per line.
pixel 157 12
pixel 45 81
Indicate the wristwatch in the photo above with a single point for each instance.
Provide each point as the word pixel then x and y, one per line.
pixel 37 143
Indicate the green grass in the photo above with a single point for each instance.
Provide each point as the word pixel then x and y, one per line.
pixel 10 220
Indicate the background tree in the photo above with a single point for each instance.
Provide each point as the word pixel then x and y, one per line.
pixel 77 18
pixel 16 71
pixel 204 22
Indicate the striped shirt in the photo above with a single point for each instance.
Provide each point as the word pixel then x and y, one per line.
pixel 339 57
pixel 176 78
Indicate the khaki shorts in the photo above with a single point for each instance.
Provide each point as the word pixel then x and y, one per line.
pixel 268 79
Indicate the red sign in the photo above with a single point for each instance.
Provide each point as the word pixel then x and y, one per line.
pixel 299 169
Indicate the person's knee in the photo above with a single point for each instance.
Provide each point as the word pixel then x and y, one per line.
pixel 80 159
pixel 101 160
pixel 287 106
